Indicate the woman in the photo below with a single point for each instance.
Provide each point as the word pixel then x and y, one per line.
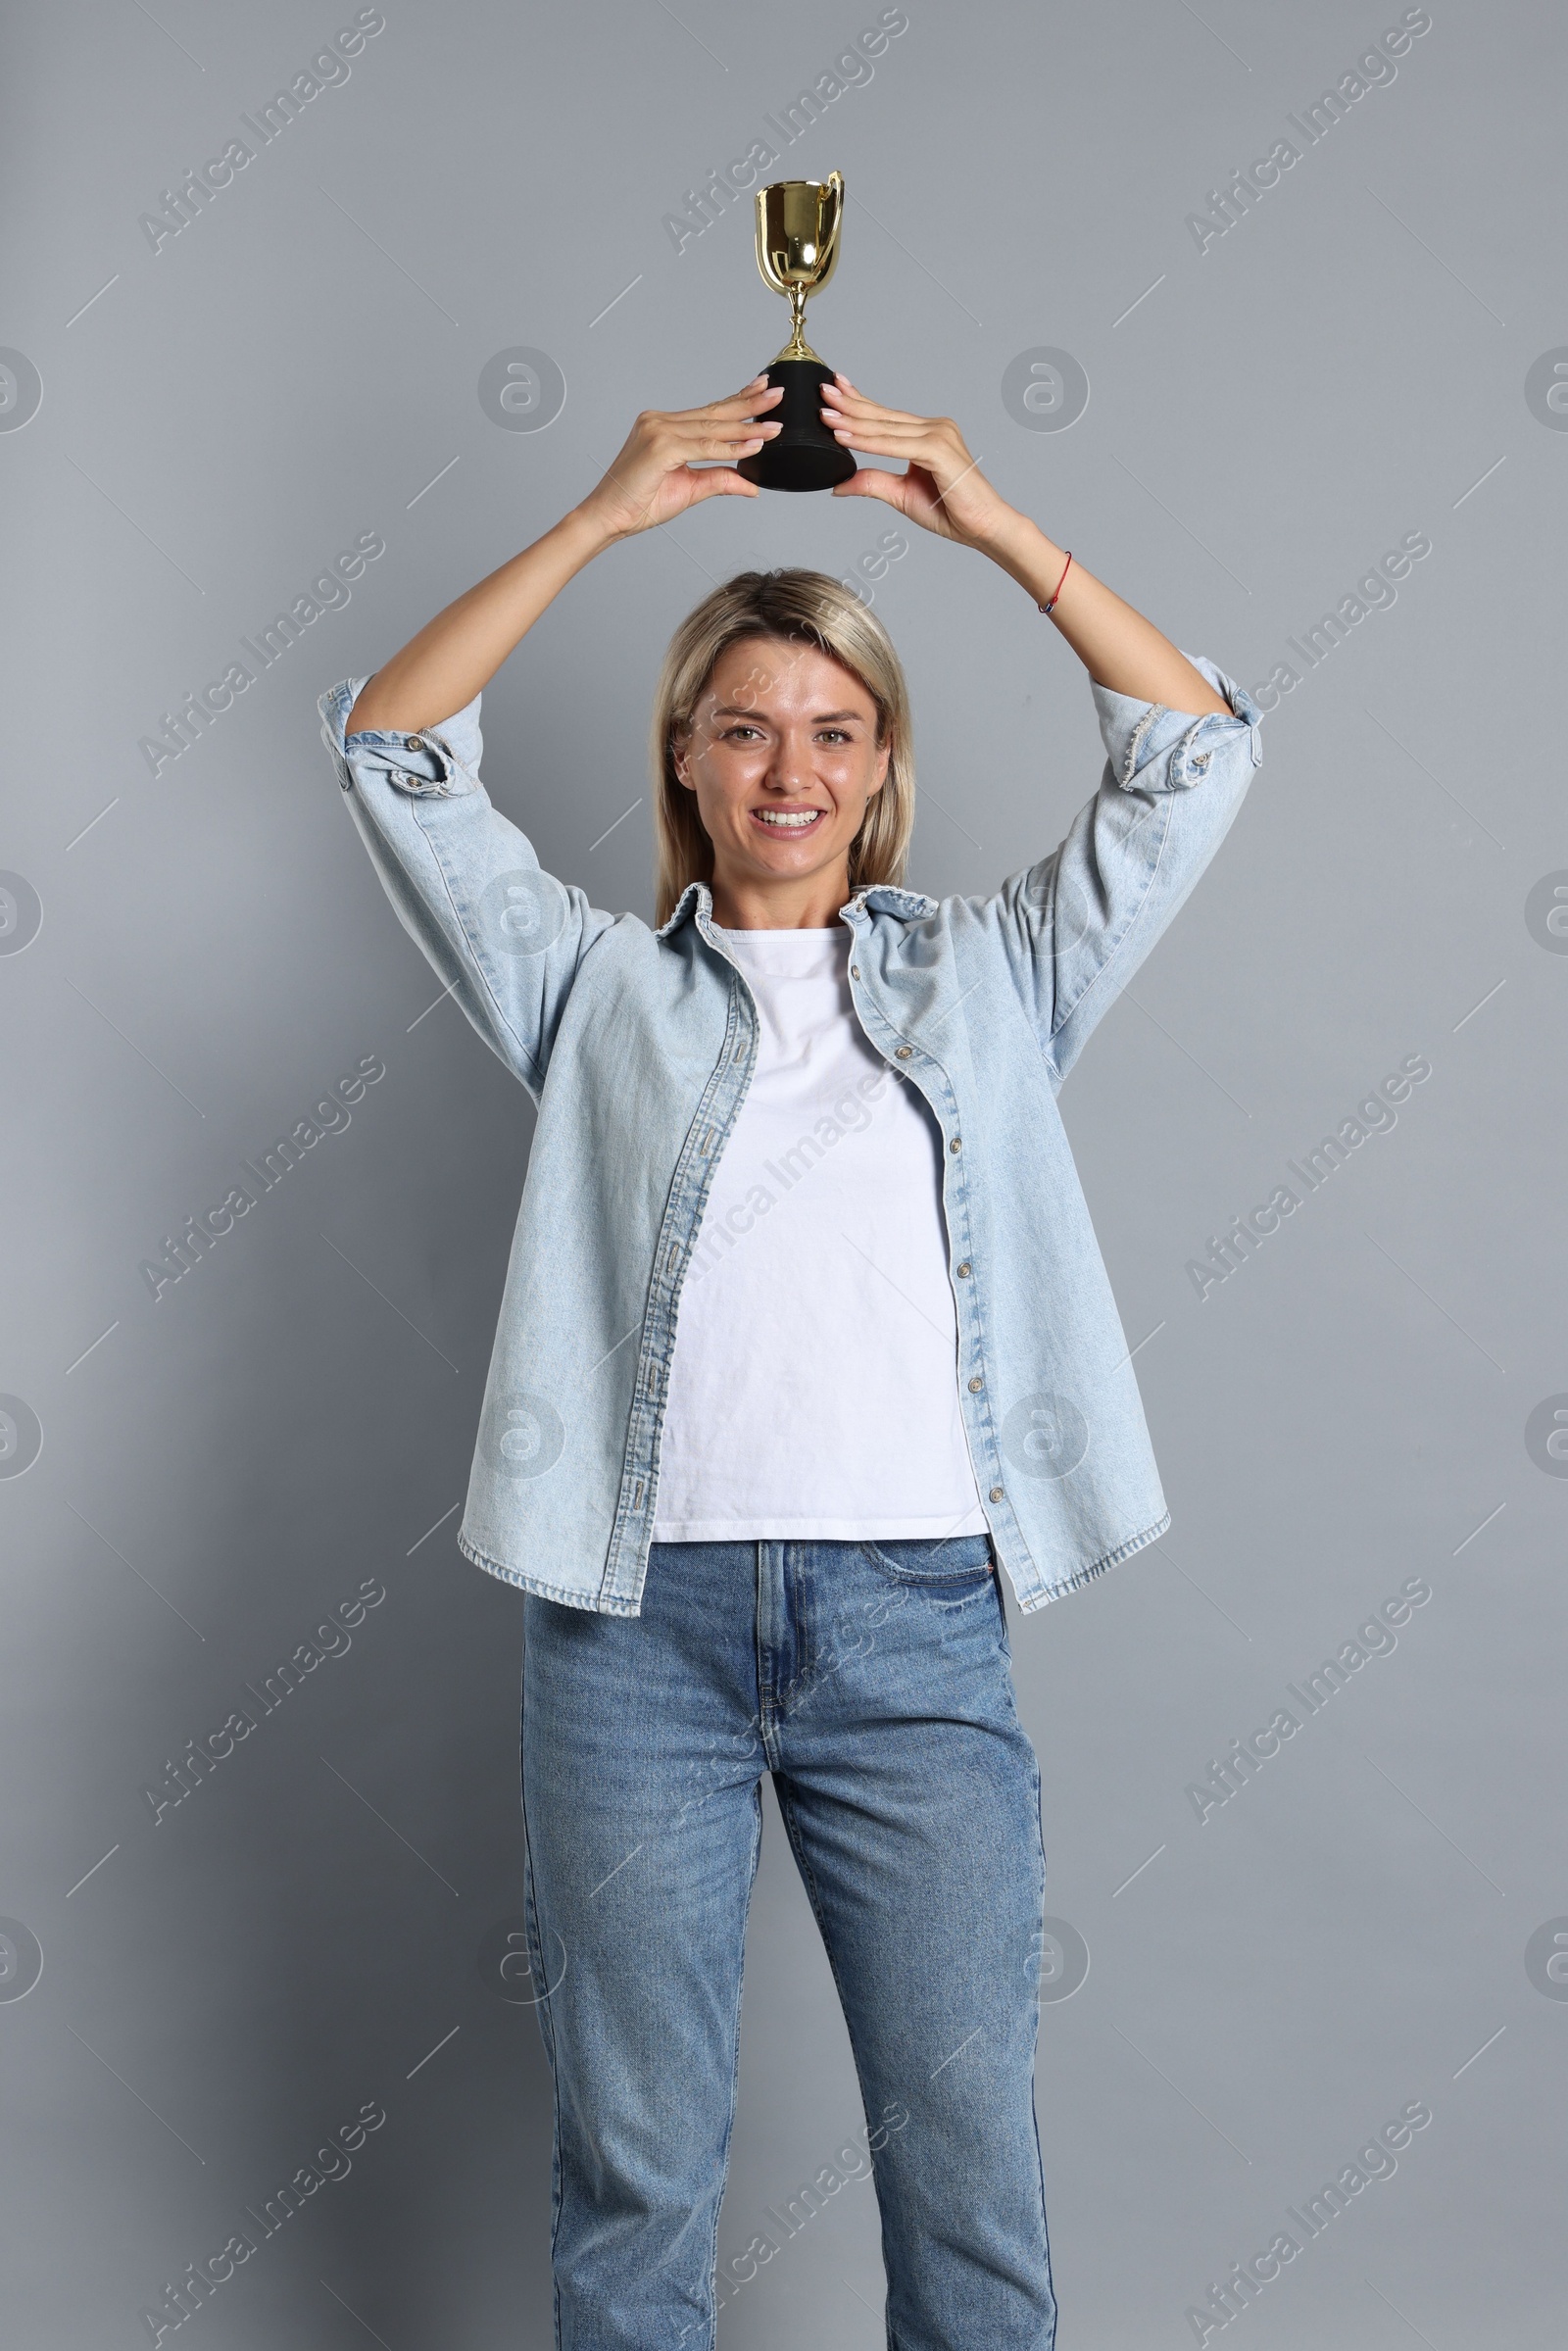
pixel 816 1112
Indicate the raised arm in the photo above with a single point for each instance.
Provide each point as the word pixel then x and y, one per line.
pixel 507 938
pixel 456 654
pixel 1181 745
pixel 945 491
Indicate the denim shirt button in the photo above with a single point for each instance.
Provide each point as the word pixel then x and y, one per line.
pixel 957 1145
pixel 995 1494
pixel 412 743
pixel 976 1384
pixel 902 1052
pixel 963 1270
pixel 854 971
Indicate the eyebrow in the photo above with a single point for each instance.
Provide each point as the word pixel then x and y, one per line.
pixel 736 710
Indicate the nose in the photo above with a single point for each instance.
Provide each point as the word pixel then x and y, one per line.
pixel 790 764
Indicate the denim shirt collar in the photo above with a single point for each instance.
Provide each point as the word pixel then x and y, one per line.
pixel 697 899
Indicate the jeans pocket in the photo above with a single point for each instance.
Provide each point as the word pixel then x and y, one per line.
pixel 950 1563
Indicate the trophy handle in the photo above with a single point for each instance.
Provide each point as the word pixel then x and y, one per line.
pixel 832 213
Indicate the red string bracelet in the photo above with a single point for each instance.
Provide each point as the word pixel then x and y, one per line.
pixel 1056 591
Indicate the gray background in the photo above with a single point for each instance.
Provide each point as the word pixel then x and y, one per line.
pixel 1345 366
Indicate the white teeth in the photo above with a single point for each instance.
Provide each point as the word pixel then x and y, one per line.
pixel 793 822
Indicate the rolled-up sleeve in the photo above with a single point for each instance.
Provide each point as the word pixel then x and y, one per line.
pixel 505 937
pixel 1075 926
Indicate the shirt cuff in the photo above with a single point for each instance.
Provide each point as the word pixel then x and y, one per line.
pixel 438 763
pixel 1154 749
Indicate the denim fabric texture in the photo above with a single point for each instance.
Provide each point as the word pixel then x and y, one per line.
pixel 637 1046
pixel 874 1682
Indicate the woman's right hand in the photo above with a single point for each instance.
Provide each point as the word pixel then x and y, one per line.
pixel 456 654
pixel 651 480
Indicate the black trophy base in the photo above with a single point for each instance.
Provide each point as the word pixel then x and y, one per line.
pixel 804 456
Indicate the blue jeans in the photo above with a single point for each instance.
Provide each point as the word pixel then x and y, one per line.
pixel 874 1681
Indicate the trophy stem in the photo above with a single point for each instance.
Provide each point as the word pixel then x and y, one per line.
pixel 797 348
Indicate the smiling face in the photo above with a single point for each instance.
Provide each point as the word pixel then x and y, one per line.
pixel 783 759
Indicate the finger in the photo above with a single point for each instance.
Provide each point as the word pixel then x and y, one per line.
pixel 867 419
pixel 919 429
pixel 871 483
pixel 845 389
pixel 721 482
pixel 934 459
pixel 730 445
pixel 695 434
pixel 841 394
pixel 722 448
pixel 848 397
pixel 703 462
pixel 906 441
pixel 882 419
pixel 751 395
pixel 729 435
pixel 758 383
pixel 737 410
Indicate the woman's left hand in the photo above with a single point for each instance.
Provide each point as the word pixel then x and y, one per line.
pixel 944 489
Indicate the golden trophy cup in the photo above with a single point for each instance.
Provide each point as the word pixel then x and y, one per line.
pixel 797 225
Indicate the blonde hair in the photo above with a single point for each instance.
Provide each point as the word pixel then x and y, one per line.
pixel 803 608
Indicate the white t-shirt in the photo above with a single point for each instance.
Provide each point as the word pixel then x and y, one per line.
pixel 814 1390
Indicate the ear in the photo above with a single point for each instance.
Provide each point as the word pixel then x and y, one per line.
pixel 883 758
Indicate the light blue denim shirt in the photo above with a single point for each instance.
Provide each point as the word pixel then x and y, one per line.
pixel 637 1046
